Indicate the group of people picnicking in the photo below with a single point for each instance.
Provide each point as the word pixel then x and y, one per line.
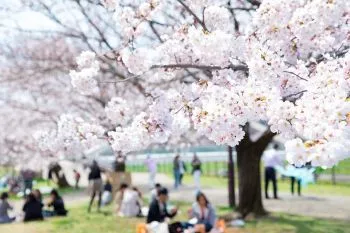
pixel 34 209
pixel 201 217
pixel 129 202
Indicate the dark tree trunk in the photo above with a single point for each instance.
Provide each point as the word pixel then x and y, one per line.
pixel 57 175
pixel 231 179
pixel 248 161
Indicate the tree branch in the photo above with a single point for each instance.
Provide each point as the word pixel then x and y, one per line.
pixel 188 9
pixel 294 94
pixel 264 140
pixel 201 67
pixel 289 72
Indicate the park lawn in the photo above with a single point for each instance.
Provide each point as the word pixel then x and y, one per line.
pixel 320 188
pixel 342 168
pixel 38 183
pixel 213 168
pixel 79 221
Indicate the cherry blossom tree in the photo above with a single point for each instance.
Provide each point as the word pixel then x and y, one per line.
pixel 214 67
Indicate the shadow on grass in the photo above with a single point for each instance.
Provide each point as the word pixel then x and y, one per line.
pixel 285 223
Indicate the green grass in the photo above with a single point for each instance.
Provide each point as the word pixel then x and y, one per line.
pixel 79 221
pixel 286 223
pixel 38 183
pixel 211 168
pixel 342 168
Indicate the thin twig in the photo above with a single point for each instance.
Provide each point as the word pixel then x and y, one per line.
pixel 123 80
pixel 194 100
pixel 242 8
pixel 289 72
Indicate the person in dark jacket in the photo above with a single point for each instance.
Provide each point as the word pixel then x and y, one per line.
pixel 158 208
pixel 32 209
pixel 58 205
pixel 37 194
pixel 96 184
pixel 176 169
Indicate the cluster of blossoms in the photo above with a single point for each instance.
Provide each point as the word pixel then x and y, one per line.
pixel 317 110
pixel 83 80
pixel 118 111
pixel 71 132
pixel 153 127
pixel 198 4
pixel 291 69
pixel 131 16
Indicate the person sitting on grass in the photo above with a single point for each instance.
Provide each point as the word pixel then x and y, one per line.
pixel 140 200
pixel 203 213
pixel 158 211
pixel 57 203
pixel 128 202
pixel 107 194
pixel 4 208
pixel 33 209
pixel 38 196
pixel 154 192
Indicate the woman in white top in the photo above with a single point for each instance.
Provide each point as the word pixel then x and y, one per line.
pixel 128 202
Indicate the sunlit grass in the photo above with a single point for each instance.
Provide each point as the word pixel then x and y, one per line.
pixel 79 221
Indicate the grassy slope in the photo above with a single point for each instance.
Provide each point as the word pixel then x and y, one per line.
pixel 79 221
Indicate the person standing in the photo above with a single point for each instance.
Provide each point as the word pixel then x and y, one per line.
pixel 76 178
pixel 196 172
pixel 294 179
pixel 183 169
pixel 28 177
pixel 271 159
pixel 4 208
pixel 96 184
pixel 152 169
pixel 176 169
pixel 119 164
